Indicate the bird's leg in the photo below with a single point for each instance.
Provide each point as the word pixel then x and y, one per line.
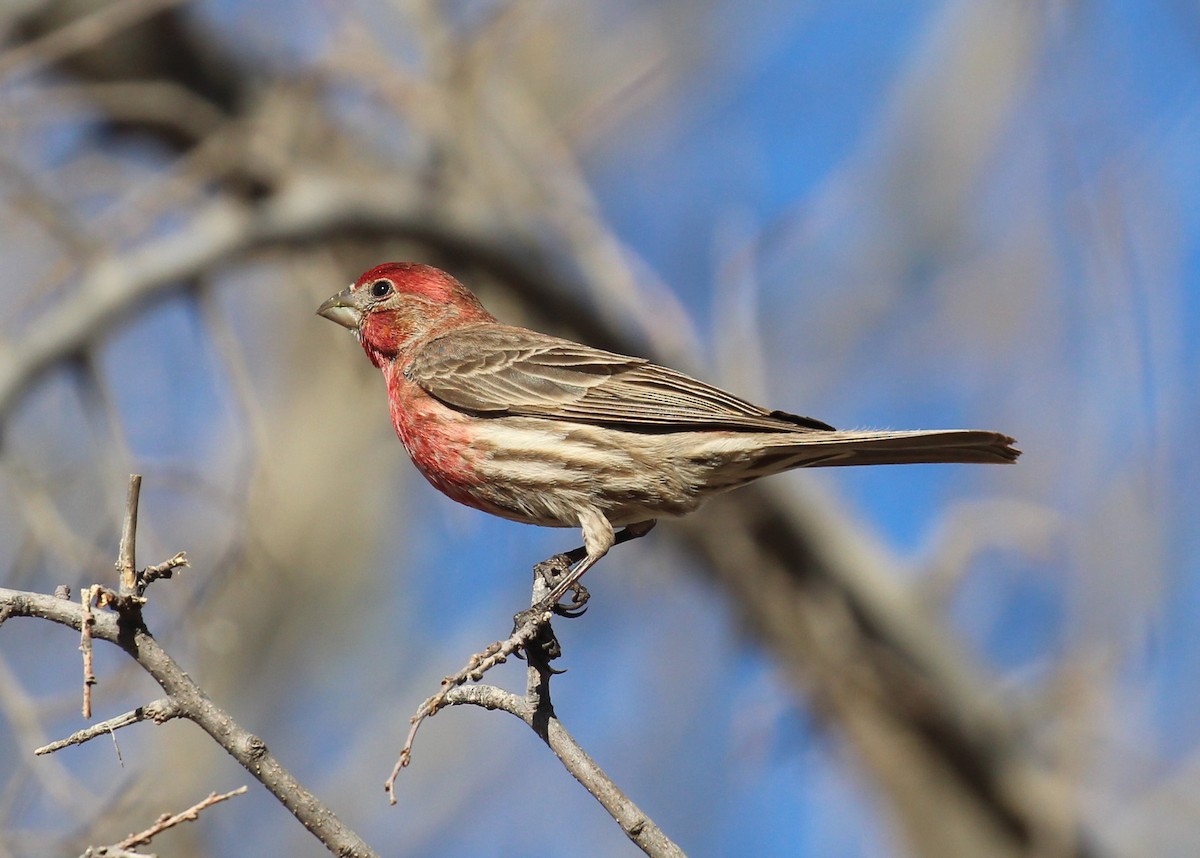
pixel 561 578
pixel 557 571
pixel 634 531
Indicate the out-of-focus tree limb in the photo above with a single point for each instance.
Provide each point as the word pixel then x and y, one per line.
pixel 81 33
pixel 143 63
pixel 309 208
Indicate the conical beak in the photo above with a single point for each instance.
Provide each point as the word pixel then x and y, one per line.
pixel 342 308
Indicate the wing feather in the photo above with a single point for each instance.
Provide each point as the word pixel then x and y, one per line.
pixel 498 370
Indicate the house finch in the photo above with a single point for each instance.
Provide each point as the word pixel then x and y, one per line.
pixel 545 431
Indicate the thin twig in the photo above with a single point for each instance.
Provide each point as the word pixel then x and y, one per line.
pixel 127 552
pixel 86 624
pixel 159 711
pixel 162 570
pixel 168 821
pixel 476 666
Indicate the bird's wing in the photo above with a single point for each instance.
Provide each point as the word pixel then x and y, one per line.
pixel 498 370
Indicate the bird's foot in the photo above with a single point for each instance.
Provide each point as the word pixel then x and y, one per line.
pixel 551 572
pixel 543 646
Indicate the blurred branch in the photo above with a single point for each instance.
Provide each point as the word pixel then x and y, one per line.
pixel 156 102
pixel 307 209
pixel 881 667
pixel 972 527
pixel 80 34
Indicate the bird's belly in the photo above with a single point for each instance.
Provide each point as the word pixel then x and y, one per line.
pixel 545 472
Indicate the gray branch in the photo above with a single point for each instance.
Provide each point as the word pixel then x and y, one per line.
pixel 637 826
pixel 249 750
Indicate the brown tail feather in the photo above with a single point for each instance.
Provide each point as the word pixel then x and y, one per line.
pixel 967 446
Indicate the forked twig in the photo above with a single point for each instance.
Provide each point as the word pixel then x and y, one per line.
pixel 163 823
pixel 476 666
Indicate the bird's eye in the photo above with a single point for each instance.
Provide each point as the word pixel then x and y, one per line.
pixel 381 288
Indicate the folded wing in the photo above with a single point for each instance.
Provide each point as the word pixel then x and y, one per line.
pixel 497 370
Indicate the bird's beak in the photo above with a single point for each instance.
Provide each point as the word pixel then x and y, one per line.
pixel 343 308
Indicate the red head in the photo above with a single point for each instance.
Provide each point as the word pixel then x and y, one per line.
pixel 399 304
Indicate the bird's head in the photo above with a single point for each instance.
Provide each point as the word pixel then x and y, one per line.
pixel 398 304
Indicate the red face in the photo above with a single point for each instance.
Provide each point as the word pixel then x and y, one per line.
pixel 400 304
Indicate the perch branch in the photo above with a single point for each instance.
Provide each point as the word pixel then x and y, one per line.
pixel 534 637
pixel 476 666
pixel 637 826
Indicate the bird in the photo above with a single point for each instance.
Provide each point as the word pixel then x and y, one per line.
pixel 546 431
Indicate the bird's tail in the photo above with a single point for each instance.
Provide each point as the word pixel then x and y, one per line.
pixel 882 447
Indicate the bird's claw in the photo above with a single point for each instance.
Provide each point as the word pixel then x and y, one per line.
pixel 552 571
pixel 577 607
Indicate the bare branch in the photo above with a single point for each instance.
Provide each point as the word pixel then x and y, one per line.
pixel 536 710
pixel 249 750
pixel 151 101
pixel 633 821
pixel 127 552
pixel 477 665
pixel 169 821
pixel 162 570
pixel 159 711
pixel 86 624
